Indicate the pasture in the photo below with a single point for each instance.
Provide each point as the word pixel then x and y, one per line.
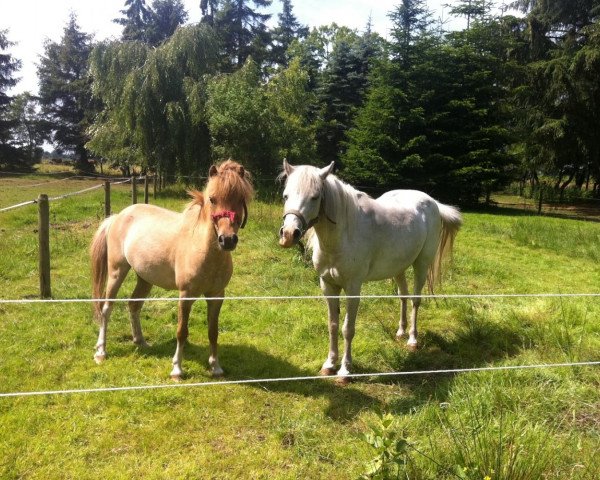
pixel 520 424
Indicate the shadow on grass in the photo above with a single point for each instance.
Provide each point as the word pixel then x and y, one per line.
pixel 242 362
pixel 477 344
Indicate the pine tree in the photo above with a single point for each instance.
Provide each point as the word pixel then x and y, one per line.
pixel 65 90
pixel 433 117
pixel 287 30
pixel 8 66
pixel 342 90
pixel 135 20
pixel 164 18
pixel 243 32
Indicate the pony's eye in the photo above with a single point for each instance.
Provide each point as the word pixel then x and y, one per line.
pixel 212 200
pixel 315 198
pixel 285 197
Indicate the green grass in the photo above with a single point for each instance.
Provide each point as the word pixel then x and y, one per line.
pixel 303 429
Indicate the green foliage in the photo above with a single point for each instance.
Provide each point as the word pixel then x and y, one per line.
pixel 433 118
pixel 65 91
pixel 9 153
pixel 391 450
pixel 239 120
pixel 155 101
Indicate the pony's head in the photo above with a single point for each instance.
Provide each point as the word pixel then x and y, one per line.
pixel 226 196
pixel 305 200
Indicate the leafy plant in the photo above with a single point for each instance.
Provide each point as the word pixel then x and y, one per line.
pixel 390 447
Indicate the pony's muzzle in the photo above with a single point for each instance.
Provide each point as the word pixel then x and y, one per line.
pixel 288 237
pixel 228 242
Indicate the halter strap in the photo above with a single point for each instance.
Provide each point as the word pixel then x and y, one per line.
pixel 231 215
pixel 305 225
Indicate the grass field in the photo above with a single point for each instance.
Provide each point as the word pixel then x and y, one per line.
pixel 527 424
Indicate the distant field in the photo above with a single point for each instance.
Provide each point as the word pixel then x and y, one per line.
pixel 526 424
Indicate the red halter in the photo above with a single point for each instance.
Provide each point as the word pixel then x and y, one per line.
pixel 224 214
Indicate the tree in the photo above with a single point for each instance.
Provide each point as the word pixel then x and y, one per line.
pixel 558 95
pixel 287 30
pixel 154 99
pixel 8 66
pixel 289 100
pixel 65 91
pixel 239 120
pixel 243 32
pixel 433 118
pixel 164 18
pixel 135 21
pixel 30 129
pixel 342 89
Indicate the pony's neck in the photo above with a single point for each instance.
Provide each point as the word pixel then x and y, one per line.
pixel 198 224
pixel 331 231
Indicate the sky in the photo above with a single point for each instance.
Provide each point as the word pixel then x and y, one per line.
pixel 31 22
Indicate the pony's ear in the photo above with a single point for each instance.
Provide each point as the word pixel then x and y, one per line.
pixel 326 170
pixel 242 171
pixel 212 171
pixel 287 168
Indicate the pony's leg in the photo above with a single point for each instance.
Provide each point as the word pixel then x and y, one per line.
pixel 333 311
pixel 402 291
pixel 348 328
pixel 141 290
pixel 185 306
pixel 116 275
pixel 213 307
pixel 420 279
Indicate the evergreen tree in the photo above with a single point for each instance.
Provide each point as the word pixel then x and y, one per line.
pixel 342 89
pixel 288 29
pixel 135 21
pixel 9 155
pixel 433 118
pixel 165 17
pixel 243 32
pixel 65 90
pixel 558 91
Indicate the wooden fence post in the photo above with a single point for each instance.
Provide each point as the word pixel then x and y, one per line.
pixel 146 188
pixel 106 199
pixel 154 186
pixel 133 190
pixel 44 245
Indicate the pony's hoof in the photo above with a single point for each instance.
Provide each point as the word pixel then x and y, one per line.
pixel 411 347
pixel 142 344
pixel 343 381
pixel 176 378
pixel 217 373
pixel 399 338
pixel 99 358
pixel 326 372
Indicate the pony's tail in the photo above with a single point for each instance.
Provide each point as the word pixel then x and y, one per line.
pixel 451 223
pixel 99 257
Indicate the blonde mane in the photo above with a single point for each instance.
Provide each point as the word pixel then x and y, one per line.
pixel 231 180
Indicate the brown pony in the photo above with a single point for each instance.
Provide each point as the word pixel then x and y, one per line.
pixel 188 251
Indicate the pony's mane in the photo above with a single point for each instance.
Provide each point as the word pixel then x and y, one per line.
pixel 232 180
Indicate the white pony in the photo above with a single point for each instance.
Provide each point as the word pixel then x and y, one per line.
pixel 358 239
